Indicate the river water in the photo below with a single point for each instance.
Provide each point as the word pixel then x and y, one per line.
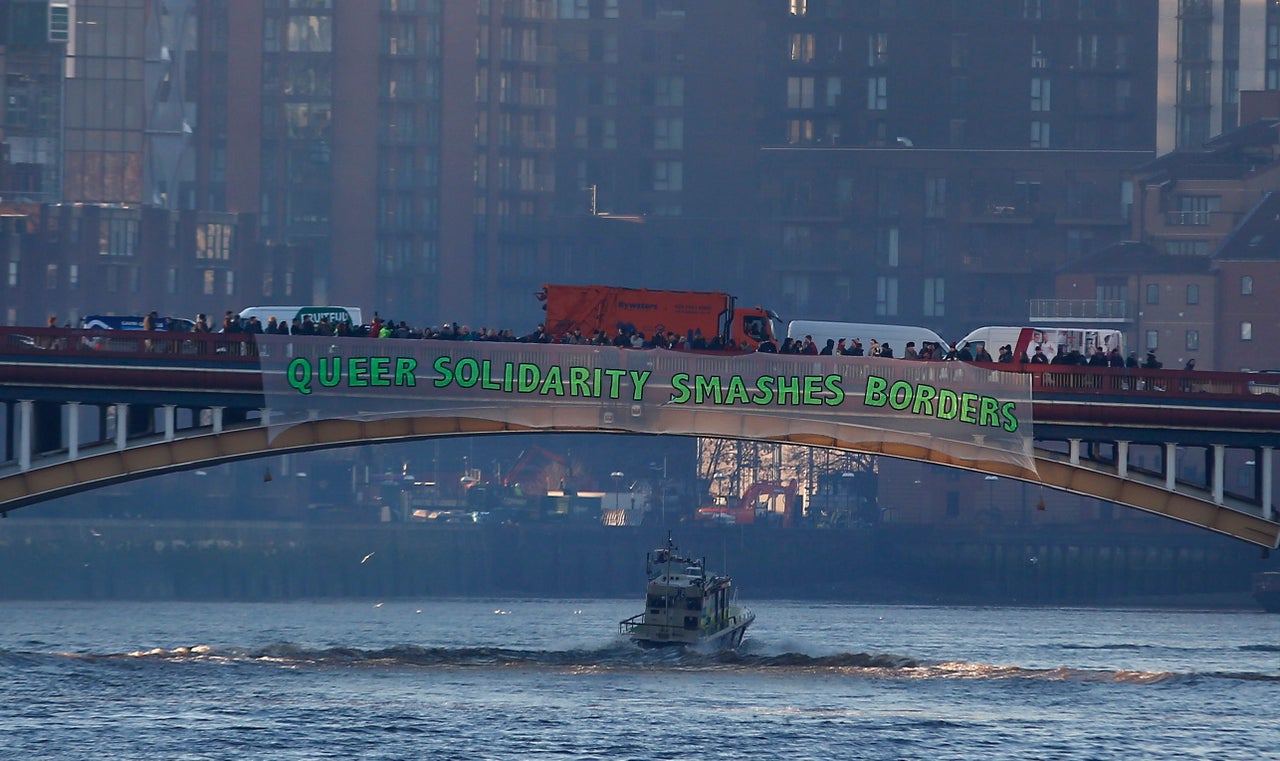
pixel 521 679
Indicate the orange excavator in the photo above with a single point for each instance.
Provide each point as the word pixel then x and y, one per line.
pixel 763 502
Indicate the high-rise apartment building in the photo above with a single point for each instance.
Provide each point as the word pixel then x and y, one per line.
pixel 1209 52
pixel 404 144
pixel 104 112
pixel 31 59
pixel 437 160
pixel 1014 74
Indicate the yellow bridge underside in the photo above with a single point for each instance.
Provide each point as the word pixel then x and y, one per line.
pixel 99 469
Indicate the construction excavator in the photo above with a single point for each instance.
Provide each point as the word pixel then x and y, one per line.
pixel 764 502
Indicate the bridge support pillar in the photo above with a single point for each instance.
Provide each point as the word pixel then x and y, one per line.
pixel 73 430
pixel 26 421
pixel 1265 490
pixel 215 414
pixel 1075 451
pixel 1217 480
pixel 122 426
pixel 169 415
pixel 1170 465
pixel 1122 459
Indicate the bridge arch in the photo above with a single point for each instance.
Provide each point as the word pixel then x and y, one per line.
pixel 357 391
pixel 154 458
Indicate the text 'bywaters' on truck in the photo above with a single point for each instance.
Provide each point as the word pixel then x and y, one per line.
pixel 710 315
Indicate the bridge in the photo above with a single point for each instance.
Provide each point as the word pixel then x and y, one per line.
pixel 83 409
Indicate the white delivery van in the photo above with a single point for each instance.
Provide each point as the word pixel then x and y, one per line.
pixel 897 336
pixel 316 313
pixel 1053 341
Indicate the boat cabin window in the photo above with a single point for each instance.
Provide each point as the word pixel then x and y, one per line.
pixel 693 603
pixel 691 622
pixel 657 601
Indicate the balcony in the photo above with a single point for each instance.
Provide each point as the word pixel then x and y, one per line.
pixel 1079 310
pixel 532 141
pixel 1180 218
pixel 1004 212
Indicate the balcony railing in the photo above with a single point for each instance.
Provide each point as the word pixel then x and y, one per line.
pixel 1095 310
pixel 1180 218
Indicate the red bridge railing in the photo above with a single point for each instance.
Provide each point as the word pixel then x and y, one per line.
pixel 1046 379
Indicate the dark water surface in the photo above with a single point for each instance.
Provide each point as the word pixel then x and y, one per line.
pixel 508 679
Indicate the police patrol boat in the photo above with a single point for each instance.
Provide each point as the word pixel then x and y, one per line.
pixel 685 605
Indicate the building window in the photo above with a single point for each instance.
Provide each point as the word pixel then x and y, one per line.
pixel 795 291
pixel 1038 59
pixel 1153 340
pixel 886 296
pixel 1195 210
pixel 799 131
pixel 668 134
pixel 878 49
pixel 1039 134
pixel 207 283
pixel 1186 247
pixel 118 237
pixel 877 93
pixel 1246 285
pixel 1153 293
pixel 887 246
pixel 13 275
pixel 213 241
pixel 51 277
pixel 934 297
pixel 799 92
pixel 73 276
pixel 310 34
pixel 1040 87
pixel 799 7
pixel 1273 57
pixel 833 92
pixel 1193 340
pixel 668 91
pixel 1087 48
pixel 935 197
pixel 1246 331
pixel 1193 294
pixel 802 48
pixel 668 175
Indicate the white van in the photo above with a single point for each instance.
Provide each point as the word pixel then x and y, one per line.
pixel 897 336
pixel 286 315
pixel 1053 341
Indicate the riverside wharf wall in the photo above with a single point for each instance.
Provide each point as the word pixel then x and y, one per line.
pixel 159 560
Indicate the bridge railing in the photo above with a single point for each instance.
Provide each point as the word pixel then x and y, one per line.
pixel 1132 381
pixel 126 343
pixel 1054 379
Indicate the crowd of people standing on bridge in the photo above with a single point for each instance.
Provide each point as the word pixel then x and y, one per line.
pixel 626 336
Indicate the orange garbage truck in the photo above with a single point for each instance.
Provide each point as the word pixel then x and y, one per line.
pixel 589 308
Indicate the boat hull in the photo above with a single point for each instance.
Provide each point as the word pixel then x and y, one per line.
pixel 727 638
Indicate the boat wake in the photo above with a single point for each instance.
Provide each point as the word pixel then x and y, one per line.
pixel 619 657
